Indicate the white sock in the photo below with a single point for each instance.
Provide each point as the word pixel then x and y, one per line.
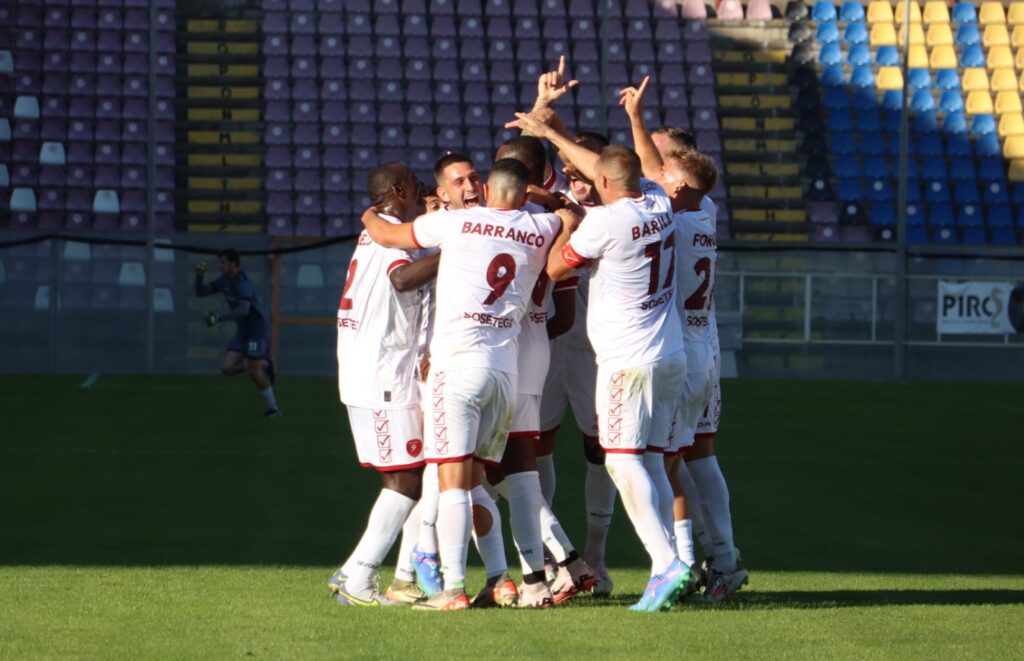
pixel 427 539
pixel 715 500
pixel 410 532
pixel 490 545
pixel 454 523
pixel 524 506
pixel 553 535
pixel 693 510
pixel 641 501
pixel 386 519
pixel 268 397
pixel 599 492
pixel 684 542
pixel 546 470
pixel 654 464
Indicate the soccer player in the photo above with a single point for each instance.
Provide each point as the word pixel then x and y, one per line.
pixel 378 325
pixel 490 260
pixel 249 349
pixel 636 333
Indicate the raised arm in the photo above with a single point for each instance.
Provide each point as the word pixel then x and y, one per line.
pixel 203 289
pixel 632 99
pixel 388 234
pixel 582 158
pixel 551 86
pixel 557 268
pixel 240 312
pixel 416 274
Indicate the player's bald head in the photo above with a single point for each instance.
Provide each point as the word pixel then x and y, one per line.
pixel 529 151
pixel 384 179
pixel 506 183
pixel 620 166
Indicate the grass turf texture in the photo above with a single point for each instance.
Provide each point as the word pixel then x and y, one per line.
pixel 165 517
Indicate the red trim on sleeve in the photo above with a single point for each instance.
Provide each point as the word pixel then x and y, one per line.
pixel 412 230
pixel 395 264
pixel 524 434
pixel 551 180
pixel 486 462
pixel 448 460
pixel 568 283
pixel 571 257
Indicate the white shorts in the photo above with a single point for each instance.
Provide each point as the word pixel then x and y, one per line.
pixel 387 439
pixel 635 406
pixel 707 426
pixel 526 418
pixel 572 377
pixel 696 395
pixel 470 414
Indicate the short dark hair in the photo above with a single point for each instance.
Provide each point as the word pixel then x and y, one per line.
pixel 620 163
pixel 529 151
pixel 508 172
pixel 448 159
pixel 680 135
pixel 383 179
pixel 599 140
pixel 231 255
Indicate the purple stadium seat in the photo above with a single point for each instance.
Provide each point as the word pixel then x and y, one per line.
pixel 305 23
pixel 705 119
pixel 700 74
pixel 302 45
pixel 109 19
pixel 667 29
pixel 303 67
pixel 703 97
pixel 500 50
pixel 825 234
pixel 133 131
pixel 696 30
pixel 677 117
pixel 336 226
pixel 308 181
pixel 336 182
pixel 496 7
pixel 134 42
pixel 134 86
pixel 334 134
pixel 305 90
pixel 308 226
pixel 502 72
pixel 638 29
pixel 79 199
pixel 387 25
pixel 422 136
pixel 415 25
pixel 696 52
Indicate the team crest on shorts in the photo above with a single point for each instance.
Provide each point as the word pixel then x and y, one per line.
pixel 414 447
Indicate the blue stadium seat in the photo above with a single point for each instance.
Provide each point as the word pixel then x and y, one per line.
pixel 919 79
pixel 839 121
pixel 957 145
pixel 848 190
pixel 991 169
pixel 1018 196
pixel 987 146
pixel 947 79
pixel 878 166
pixel 864 99
pixel 974 236
pixel 852 11
pixel 963 12
pixel 917 235
pixel 915 216
pixel 969 215
pixel 944 236
pixel 962 169
pixel 874 144
pixel 827 33
pixel 851 213
pixel 868 121
pixel 983 125
pixel 951 101
pixel 922 101
pixel 955 123
pixel 836 99
pixel 862 77
pixel 936 192
pixel 995 193
pixel 847 167
pixel 879 190
pixel 892 100
pixel 1000 216
pixel 968 35
pixel 859 55
pixel 823 11
pixel 882 215
pixel 887 56
pixel 856 33
pixel 934 168
pixel 833 76
pixel 831 54
pixel 843 144
pixel 940 215
pixel 925 122
pixel 972 56
pixel 966 192
pixel 1004 237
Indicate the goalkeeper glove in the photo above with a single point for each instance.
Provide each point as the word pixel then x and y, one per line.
pixel 211 319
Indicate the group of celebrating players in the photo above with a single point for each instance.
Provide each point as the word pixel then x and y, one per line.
pixel 473 313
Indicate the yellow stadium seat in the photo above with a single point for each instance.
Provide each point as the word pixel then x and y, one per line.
pixel 883 34
pixel 936 11
pixel 880 11
pixel 901 12
pixel 1017 36
pixel 1019 60
pixel 974 79
pixel 943 57
pixel 1016 170
pixel 918 58
pixel 1015 14
pixel 1020 85
pixel 979 103
pixel 999 57
pixel 1004 80
pixel 939 34
pixel 1012 123
pixel 991 12
pixel 1014 147
pixel 916 34
pixel 995 35
pixel 890 78
pixel 1007 102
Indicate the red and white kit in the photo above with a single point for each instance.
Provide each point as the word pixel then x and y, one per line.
pixel 631 319
pixel 708 423
pixel 490 260
pixel 378 329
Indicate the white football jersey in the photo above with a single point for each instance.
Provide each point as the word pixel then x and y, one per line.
pixel 708 205
pixel 631 245
pixel 695 278
pixel 490 259
pixel 577 335
pixel 378 330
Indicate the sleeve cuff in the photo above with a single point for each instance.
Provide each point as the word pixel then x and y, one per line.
pixel 395 264
pixel 573 258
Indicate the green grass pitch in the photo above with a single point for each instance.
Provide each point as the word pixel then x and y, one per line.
pixel 165 518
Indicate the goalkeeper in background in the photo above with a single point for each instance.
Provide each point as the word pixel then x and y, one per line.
pixel 249 350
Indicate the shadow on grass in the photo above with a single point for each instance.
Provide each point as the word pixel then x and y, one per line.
pixel 754 600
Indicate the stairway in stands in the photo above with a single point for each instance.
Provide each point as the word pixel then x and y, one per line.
pixel 220 130
pixel 759 136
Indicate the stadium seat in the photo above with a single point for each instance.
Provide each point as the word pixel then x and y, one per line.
pixel 922 101
pixel 847 167
pixel 968 35
pixel 1004 80
pixel 987 146
pixel 979 102
pixel 833 76
pixel 995 193
pixel 966 192
pixel 858 55
pixel 929 146
pixel 1004 237
pixel 836 98
pixel 1011 124
pixel 999 216
pixel 974 79
pixel 991 169
pixel 999 57
pixel 823 11
pixel 883 34
pixel 848 190
pixel 839 122
pixel 940 215
pixel 973 236
pixel 796 10
pixel 936 192
pixel 879 190
pixel 892 100
pixel 944 57
pixel 882 215
pixel 939 35
pixel 991 12
pixel 917 57
pixel 936 12
pixel 831 54
pixel 970 215
pixel 1007 102
pixel 962 169
pixel 900 13
pixel 856 33
pixel 951 101
pixel 827 33
pixel 890 78
pixel 868 121
pixel 964 12
pixel 852 11
pixel 1016 173
pixel 880 11
pixel 947 79
pixel 1015 13
pixel 995 35
pixel 887 56
pixel 862 77
pixel 971 56
pixel 916 35
pixel 1013 147
pixel 919 80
